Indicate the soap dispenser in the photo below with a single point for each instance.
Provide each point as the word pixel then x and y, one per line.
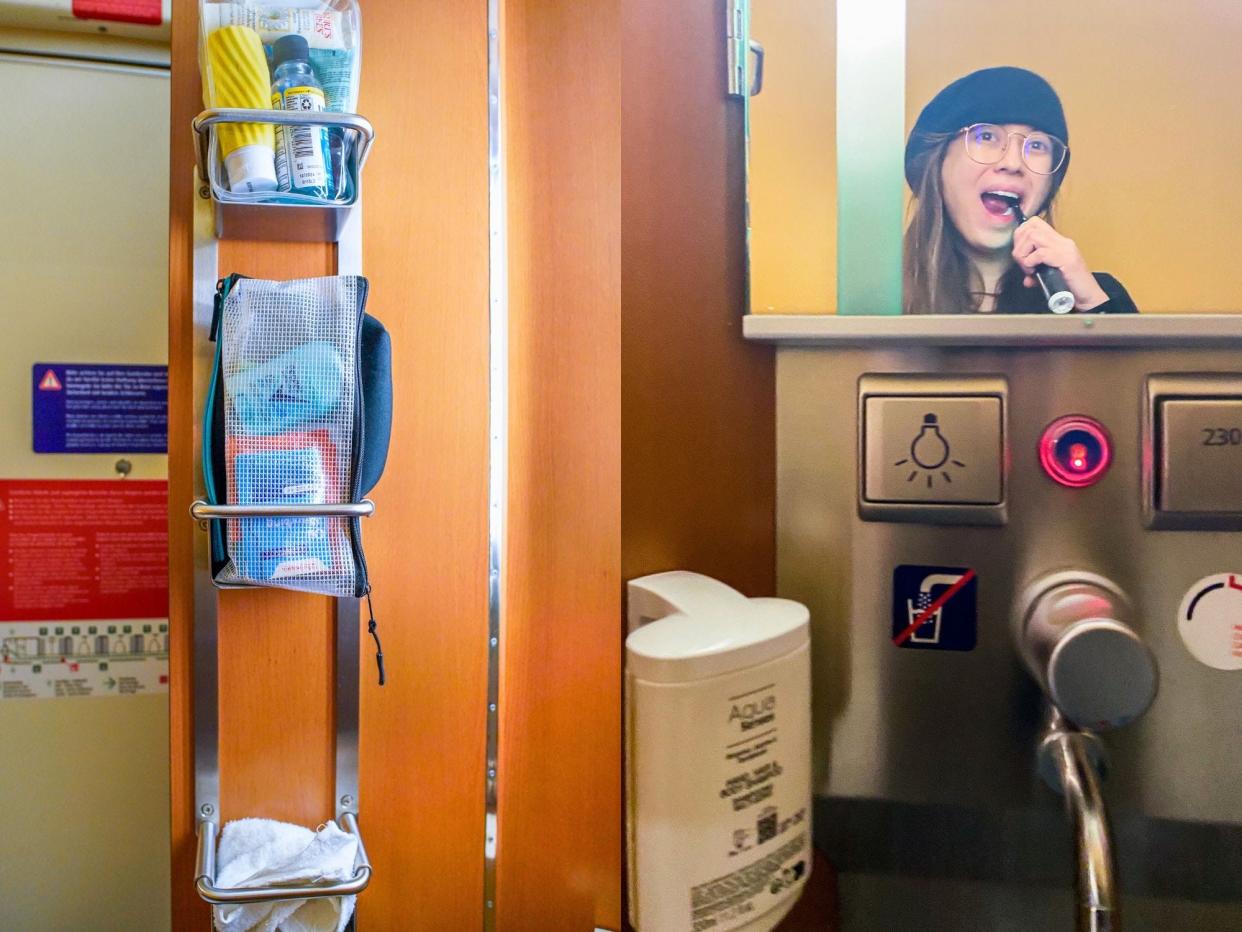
pixel 718 770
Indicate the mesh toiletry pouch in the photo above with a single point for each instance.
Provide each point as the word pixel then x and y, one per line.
pixel 298 413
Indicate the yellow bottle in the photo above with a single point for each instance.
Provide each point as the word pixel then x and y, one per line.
pixel 237 68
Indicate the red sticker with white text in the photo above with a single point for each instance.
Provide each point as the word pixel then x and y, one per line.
pixel 142 12
pixel 83 549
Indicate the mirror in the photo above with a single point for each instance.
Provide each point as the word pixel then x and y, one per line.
pixel 1141 209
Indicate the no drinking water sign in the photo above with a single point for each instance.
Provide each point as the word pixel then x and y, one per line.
pixel 935 607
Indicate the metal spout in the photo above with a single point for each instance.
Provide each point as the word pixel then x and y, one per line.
pixel 1068 759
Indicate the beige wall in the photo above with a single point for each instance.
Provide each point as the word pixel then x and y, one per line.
pixel 793 167
pixel 83 782
pixel 1151 95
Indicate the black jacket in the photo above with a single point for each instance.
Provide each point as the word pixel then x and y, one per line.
pixel 1016 298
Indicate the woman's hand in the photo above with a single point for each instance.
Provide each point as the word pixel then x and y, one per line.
pixel 1036 243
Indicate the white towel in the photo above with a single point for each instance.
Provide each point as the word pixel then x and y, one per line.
pixel 263 852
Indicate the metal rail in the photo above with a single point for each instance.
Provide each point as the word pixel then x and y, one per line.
pixel 205 875
pixel 203 511
pixel 352 122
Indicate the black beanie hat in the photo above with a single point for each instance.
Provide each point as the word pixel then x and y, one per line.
pixel 993 95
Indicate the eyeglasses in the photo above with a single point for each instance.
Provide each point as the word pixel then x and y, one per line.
pixel 1042 153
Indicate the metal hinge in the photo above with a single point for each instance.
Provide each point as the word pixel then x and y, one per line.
pixel 736 47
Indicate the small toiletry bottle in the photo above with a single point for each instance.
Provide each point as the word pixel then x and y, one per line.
pixel 302 161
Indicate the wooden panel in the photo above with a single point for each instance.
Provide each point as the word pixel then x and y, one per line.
pixel 698 403
pixel 188 911
pixel 276 706
pixel 425 240
pixel 560 742
pixel 275 649
pixel 425 251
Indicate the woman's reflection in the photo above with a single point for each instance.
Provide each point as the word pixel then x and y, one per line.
pixel 988 143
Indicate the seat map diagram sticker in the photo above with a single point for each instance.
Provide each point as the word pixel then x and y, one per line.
pixel 1210 621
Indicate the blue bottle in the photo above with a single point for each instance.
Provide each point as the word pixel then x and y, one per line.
pixel 303 164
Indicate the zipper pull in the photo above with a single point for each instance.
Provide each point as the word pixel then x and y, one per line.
pixel 379 650
pixel 223 287
pixel 217 310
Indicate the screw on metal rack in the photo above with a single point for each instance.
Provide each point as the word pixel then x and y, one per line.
pixel 208 810
pixel 347 801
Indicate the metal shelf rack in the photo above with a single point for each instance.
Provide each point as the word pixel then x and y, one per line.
pixel 341 224
pixel 265 217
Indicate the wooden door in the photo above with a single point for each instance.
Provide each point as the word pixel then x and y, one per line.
pixel 640 438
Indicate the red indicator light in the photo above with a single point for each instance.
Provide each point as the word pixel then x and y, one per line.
pixel 1078 456
pixel 1075 451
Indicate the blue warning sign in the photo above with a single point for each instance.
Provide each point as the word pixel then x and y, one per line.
pixel 85 408
pixel 935 607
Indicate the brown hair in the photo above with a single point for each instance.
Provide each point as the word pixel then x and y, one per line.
pixel 937 274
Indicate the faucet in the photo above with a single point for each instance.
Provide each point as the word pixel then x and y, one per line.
pixel 1074 637
pixel 1068 760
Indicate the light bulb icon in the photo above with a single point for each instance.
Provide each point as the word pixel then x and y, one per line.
pixel 930 452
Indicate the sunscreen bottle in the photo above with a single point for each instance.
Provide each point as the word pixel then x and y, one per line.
pixel 238 69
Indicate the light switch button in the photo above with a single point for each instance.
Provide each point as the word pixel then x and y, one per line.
pixel 1200 456
pixel 932 449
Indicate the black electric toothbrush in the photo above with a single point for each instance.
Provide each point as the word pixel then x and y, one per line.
pixel 1060 299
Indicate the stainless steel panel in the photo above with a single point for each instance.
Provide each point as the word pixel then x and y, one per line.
pixel 1200 455
pixel 935 749
pixel 347 618
pixel 498 443
pixel 928 449
pixel 1016 331
pixel 206 697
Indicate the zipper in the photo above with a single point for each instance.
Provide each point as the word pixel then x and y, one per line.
pixel 223 287
pixel 362 584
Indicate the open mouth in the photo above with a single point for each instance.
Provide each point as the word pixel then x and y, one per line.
pixel 1000 203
